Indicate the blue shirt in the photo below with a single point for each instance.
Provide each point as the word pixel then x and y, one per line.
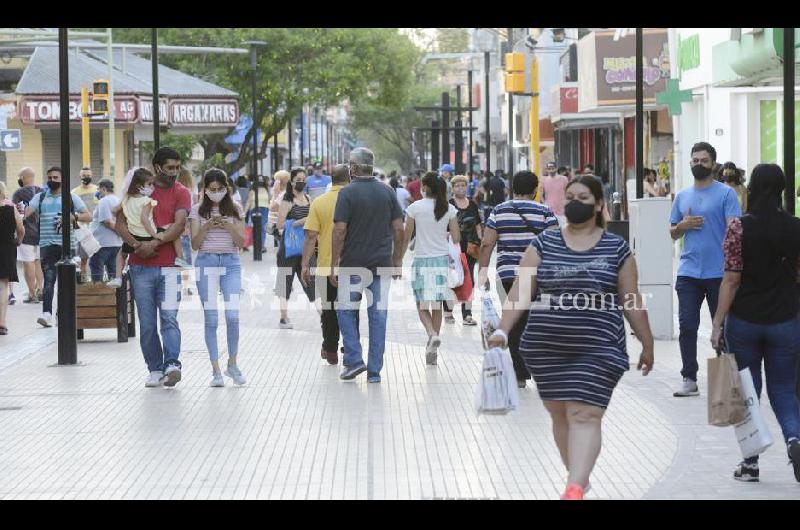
pixel 517 224
pixel 702 256
pixel 315 186
pixel 50 209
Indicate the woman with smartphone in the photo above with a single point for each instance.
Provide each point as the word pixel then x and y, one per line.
pixel 218 234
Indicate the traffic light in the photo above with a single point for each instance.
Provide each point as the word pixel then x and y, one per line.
pixel 100 95
pixel 515 72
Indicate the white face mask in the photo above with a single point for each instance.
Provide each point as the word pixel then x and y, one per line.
pixel 216 196
pixel 146 190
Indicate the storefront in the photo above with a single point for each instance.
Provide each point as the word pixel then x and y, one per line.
pixel 188 106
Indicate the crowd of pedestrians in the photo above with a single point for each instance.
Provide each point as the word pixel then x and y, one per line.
pixel 566 284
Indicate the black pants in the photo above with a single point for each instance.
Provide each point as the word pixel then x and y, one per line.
pixel 466 307
pixel 515 337
pixel 330 323
pixel 288 268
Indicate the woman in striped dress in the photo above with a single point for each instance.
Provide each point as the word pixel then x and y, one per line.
pixel 574 341
pixel 294 207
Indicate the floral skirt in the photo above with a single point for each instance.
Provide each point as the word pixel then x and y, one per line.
pixel 429 279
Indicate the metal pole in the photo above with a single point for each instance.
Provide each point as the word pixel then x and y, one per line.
pixel 469 117
pixel 112 150
pixel 510 98
pixel 486 63
pixel 788 119
pixel 434 145
pixel 85 138
pixel 445 129
pixel 534 119
pixel 67 326
pixel 302 134
pixel 156 105
pixel 290 140
pixel 458 136
pixel 318 130
pixel 275 165
pixel 309 133
pixel 639 115
pixel 256 216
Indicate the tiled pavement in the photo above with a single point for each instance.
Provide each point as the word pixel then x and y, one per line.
pixel 296 432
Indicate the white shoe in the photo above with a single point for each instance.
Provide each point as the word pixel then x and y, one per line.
pixel 171 375
pixel 688 388
pixel 431 349
pixel 45 320
pixel 116 283
pixel 234 373
pixel 285 324
pixel 217 380
pixel 154 380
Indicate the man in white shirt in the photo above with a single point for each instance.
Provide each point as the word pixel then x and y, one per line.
pixel 103 230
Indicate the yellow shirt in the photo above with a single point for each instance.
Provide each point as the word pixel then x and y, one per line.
pixel 132 208
pixel 320 220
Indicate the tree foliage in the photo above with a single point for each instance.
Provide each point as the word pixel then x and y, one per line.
pixel 452 40
pixel 318 66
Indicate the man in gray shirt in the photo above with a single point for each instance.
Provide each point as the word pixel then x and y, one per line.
pixel 103 231
pixel 367 240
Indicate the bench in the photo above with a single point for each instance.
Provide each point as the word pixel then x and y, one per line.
pixel 99 306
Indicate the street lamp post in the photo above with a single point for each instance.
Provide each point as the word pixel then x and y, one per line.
pixel 156 107
pixel 67 325
pixel 510 113
pixel 639 115
pixel 486 63
pixel 258 243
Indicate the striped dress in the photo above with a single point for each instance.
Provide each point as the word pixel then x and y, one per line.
pixel 574 341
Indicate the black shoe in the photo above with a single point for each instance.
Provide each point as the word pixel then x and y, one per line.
pixel 350 372
pixel 794 457
pixel 746 472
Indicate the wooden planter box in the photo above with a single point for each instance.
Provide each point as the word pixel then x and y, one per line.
pixel 100 306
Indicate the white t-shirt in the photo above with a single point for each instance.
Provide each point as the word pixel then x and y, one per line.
pixel 404 198
pixel 431 238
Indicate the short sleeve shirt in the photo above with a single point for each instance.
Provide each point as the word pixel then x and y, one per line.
pixel 702 256
pixel 431 238
pixel 104 212
pixel 218 240
pixel 320 220
pixel 170 201
pixel 50 210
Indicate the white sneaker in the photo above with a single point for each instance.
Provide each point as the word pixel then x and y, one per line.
pixel 217 380
pixel 46 320
pixel 688 388
pixel 154 380
pixel 234 373
pixel 285 324
pixel 171 375
pixel 116 283
pixel 431 350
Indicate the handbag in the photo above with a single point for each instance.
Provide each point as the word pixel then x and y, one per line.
pixel 455 271
pixel 293 239
pixel 248 236
pixel 725 400
pixel 752 434
pixel 497 386
pixel 464 291
pixel 87 241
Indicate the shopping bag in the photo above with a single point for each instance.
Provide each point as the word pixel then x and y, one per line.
pixel 725 400
pixel 248 236
pixel 497 385
pixel 455 270
pixel 490 319
pixel 464 291
pixel 87 241
pixel 752 434
pixel 293 238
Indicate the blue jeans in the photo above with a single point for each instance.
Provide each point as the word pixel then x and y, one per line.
pixel 186 242
pixel 49 255
pixel 104 259
pixel 691 292
pixel 157 293
pixel 778 346
pixel 348 322
pixel 212 272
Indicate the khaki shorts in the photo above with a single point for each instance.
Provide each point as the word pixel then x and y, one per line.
pixel 27 253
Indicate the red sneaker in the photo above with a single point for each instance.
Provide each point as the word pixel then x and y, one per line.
pixel 573 493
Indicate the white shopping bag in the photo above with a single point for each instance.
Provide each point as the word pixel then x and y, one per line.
pixel 497 385
pixel 490 319
pixel 87 240
pixel 455 270
pixel 752 434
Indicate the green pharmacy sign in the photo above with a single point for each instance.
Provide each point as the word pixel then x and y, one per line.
pixel 688 53
pixel 673 96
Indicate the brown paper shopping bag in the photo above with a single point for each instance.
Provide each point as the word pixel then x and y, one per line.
pixel 725 397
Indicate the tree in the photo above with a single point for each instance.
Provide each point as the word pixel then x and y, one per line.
pixel 452 40
pixel 367 65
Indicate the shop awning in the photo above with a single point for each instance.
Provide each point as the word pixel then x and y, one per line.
pixel 586 123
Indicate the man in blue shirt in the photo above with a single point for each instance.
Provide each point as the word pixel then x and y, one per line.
pixel 700 215
pixel 317 182
pixel 47 205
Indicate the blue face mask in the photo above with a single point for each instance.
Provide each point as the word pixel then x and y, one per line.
pixel 97 195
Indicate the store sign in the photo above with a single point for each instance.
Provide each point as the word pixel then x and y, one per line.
pixel 607 68
pixel 47 109
pixel 204 112
pixel 569 100
pixel 146 110
pixel 688 53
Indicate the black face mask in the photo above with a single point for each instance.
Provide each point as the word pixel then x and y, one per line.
pixel 700 172
pixel 299 186
pixel 53 185
pixel 86 180
pixel 578 212
pixel 19 182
